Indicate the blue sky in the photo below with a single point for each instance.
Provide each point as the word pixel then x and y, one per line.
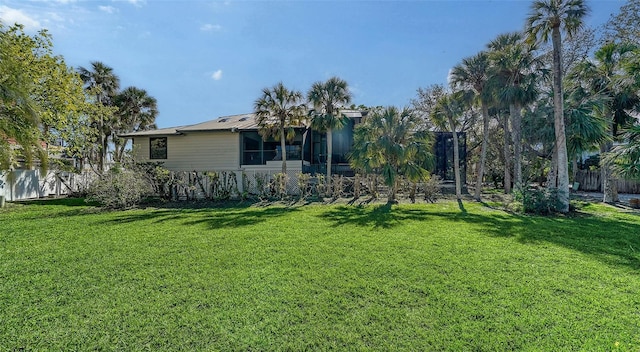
pixel 205 59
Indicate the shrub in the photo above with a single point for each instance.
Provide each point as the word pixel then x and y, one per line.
pixel 541 201
pixel 432 188
pixel 120 189
pixel 155 174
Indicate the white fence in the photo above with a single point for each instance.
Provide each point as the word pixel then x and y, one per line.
pixel 30 184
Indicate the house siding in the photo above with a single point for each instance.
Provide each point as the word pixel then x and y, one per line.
pixel 195 151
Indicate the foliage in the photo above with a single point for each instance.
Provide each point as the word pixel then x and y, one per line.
pixel 625 158
pixel 120 189
pixel 432 188
pixel 304 185
pixel 473 75
pixel 40 97
pixel 540 201
pixel 155 174
pixel 393 143
pixel 327 98
pixel 279 111
pixel 137 111
pixel 449 114
pixel 224 185
pixel 280 185
pixel 624 27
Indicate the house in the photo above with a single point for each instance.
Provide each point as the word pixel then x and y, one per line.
pixel 232 143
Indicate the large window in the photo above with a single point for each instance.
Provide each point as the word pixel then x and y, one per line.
pixel 158 148
pixel 256 151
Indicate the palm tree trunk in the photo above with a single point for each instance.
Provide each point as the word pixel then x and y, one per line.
pixel 558 114
pixel 283 151
pixel 507 157
pixel 456 158
pixel 552 178
pixel 516 118
pixel 609 182
pixel 483 150
pixel 329 153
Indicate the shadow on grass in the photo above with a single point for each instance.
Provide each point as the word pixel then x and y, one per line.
pixel 612 239
pixel 69 202
pixel 214 215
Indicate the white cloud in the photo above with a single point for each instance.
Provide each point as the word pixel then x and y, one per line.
pixel 108 9
pixel 210 27
pixel 217 75
pixel 137 3
pixel 10 16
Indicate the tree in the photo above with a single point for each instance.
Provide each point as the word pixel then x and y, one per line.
pixel 514 78
pixel 624 27
pixel 137 111
pixel 606 76
pixel 625 158
pixel 446 114
pixel 473 75
pixel 40 96
pixel 327 98
pixel 278 112
pixel 426 100
pixel 550 18
pixel 393 142
pixel 103 85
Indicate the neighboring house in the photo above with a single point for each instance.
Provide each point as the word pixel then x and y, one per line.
pixel 232 143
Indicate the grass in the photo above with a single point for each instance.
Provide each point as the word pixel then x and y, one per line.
pixel 241 277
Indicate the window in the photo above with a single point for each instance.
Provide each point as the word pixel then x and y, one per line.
pixel 158 148
pixel 256 151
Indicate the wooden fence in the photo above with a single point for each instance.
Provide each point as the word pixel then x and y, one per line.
pixel 592 181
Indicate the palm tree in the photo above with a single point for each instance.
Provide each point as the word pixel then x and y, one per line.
pixel 551 17
pixel 473 74
pixel 625 158
pixel 606 76
pixel 514 77
pixel 392 142
pixel 137 112
pixel 101 82
pixel 446 114
pixel 278 111
pixel 327 99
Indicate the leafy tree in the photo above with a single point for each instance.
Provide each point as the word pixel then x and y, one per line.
pixel 550 18
pixel 103 84
pixel 394 143
pixel 40 96
pixel 137 111
pixel 278 111
pixel 327 98
pixel 426 100
pixel 624 27
pixel 473 74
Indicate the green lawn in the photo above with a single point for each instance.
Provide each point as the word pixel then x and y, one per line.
pixel 409 277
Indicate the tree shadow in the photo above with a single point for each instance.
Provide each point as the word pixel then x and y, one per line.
pixel 611 239
pixel 461 206
pixel 215 216
pixel 68 202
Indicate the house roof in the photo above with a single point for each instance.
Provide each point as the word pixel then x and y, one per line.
pixel 238 122
pixel 157 132
pixel 242 122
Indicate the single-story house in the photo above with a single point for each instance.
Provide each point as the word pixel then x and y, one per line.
pixel 232 143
